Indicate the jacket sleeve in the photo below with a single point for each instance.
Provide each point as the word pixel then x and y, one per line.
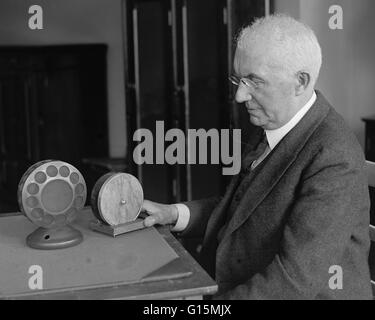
pixel 200 211
pixel 332 200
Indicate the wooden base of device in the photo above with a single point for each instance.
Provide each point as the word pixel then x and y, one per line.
pixel 118 229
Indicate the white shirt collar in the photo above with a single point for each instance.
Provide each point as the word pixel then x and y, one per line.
pixel 275 136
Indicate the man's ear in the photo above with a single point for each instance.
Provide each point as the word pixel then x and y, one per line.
pixel 303 81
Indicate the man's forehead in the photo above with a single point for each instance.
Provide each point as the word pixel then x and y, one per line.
pixel 248 61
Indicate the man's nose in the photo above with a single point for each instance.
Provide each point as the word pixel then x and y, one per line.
pixel 243 93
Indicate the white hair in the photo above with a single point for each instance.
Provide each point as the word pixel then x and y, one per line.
pixel 291 44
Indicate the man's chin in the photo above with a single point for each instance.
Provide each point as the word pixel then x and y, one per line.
pixel 256 121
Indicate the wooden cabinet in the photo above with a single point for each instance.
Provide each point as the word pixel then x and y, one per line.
pixel 53 105
pixel 370 155
pixel 370 138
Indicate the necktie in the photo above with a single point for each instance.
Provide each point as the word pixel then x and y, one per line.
pixel 266 150
pixel 256 156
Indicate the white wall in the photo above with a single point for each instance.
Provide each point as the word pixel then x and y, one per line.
pixel 348 73
pixel 290 7
pixel 75 22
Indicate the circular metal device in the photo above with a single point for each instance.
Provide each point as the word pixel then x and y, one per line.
pixel 117 198
pixel 50 194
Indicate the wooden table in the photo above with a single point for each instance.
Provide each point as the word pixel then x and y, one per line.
pixel 194 286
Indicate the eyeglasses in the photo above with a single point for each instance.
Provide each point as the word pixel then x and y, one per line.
pixel 246 81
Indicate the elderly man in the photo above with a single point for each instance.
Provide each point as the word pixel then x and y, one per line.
pixel 293 224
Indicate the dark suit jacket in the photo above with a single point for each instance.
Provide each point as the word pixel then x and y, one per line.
pixel 306 209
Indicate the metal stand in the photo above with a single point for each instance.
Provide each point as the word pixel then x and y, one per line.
pixel 51 239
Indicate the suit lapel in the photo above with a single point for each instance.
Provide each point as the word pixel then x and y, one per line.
pixel 218 216
pixel 275 165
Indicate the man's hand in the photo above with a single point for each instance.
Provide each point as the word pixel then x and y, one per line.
pixel 159 213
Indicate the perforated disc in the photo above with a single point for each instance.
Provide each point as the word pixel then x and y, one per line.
pixel 117 198
pixel 51 193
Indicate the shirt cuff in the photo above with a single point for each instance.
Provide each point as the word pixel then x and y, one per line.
pixel 183 217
